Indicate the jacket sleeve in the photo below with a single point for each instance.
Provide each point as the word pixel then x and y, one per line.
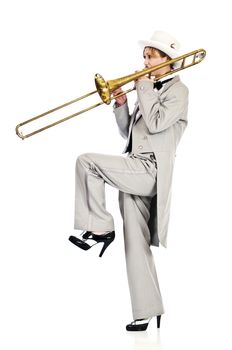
pixel 159 112
pixel 122 118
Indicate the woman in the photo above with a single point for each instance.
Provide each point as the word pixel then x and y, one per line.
pixel 143 178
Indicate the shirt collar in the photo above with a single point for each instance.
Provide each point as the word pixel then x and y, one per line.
pixel 174 79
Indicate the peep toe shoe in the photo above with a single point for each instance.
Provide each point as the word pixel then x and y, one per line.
pixel 90 239
pixel 141 324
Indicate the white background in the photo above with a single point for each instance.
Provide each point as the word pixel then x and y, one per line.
pixel 53 295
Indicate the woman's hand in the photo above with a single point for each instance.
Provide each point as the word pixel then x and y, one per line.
pixel 120 100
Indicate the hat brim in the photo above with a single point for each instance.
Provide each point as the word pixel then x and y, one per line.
pixel 164 48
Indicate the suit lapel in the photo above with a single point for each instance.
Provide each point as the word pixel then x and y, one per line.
pixel 133 117
pixel 132 121
pixel 169 83
pixel 136 115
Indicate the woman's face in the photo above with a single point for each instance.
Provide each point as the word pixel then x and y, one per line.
pixel 151 59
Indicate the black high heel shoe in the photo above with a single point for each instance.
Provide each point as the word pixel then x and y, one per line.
pixel 106 238
pixel 139 325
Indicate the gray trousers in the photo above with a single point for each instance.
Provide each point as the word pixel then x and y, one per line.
pixel 135 178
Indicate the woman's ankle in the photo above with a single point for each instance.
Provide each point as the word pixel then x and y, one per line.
pixel 99 232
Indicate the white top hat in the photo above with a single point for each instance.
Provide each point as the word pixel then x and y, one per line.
pixel 164 42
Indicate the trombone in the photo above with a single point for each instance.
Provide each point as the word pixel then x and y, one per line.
pixel 105 88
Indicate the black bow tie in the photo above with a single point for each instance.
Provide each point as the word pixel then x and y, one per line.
pixel 158 84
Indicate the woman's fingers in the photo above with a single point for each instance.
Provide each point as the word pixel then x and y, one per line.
pixel 117 91
pixel 121 99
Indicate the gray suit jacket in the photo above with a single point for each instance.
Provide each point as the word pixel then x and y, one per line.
pixel 157 128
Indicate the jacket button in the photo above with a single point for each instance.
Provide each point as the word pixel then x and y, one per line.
pixel 141 87
pixel 140 147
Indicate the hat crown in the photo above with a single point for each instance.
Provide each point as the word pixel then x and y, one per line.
pixel 164 42
pixel 165 38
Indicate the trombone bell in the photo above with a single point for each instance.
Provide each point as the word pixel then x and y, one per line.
pixel 103 88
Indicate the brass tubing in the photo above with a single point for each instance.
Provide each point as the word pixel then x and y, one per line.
pixel 56 108
pixel 55 123
pixel 114 84
pixel 105 88
pixel 183 62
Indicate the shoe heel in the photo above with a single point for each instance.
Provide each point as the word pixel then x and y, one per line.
pixel 158 321
pixel 106 244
